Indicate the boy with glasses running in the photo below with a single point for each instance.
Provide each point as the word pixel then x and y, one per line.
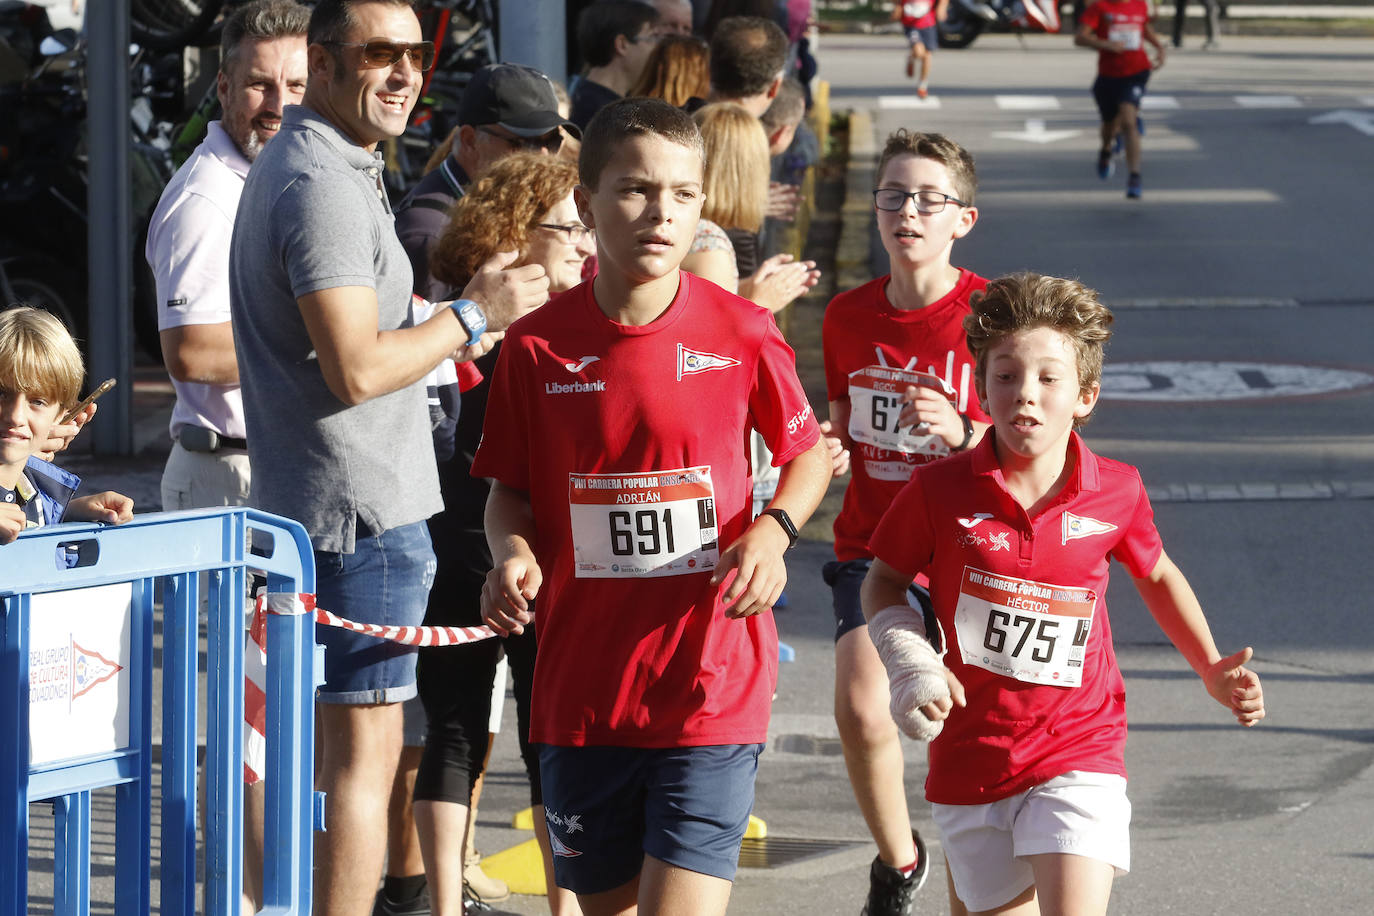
pixel 899 379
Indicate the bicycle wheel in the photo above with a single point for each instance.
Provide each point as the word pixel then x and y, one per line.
pixel 170 25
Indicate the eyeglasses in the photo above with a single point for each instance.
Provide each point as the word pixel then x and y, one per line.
pixel 572 233
pixel 927 201
pixel 549 143
pixel 378 53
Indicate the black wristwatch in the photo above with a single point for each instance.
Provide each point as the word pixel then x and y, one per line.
pixel 786 521
pixel 968 433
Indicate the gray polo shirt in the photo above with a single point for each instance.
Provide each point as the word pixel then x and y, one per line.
pixel 314 216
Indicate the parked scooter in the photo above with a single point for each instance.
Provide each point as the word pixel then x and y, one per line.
pixel 965 20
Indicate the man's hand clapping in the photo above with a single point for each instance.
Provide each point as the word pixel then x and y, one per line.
pixel 504 292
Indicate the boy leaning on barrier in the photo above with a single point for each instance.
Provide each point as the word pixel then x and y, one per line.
pixel 1027 712
pixel 40 380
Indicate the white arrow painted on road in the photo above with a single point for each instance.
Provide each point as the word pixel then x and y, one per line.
pixel 1363 121
pixel 1035 132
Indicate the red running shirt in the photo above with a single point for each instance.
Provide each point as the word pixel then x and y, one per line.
pixel 1021 601
pixel 862 329
pixel 1122 21
pixel 630 442
pixel 918 14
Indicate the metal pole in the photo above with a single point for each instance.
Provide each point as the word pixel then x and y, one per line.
pixel 536 36
pixel 108 212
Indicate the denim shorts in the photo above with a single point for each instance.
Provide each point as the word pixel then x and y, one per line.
pixel 608 807
pixel 385 580
pixel 928 35
pixel 845 578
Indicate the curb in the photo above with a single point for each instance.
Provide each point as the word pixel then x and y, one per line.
pixel 852 266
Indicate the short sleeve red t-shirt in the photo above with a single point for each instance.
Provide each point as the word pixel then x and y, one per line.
pixel 1021 602
pixel 862 329
pixel 918 14
pixel 1122 21
pixel 631 444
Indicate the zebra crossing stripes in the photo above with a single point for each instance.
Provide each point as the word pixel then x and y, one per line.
pixel 1027 102
pixel 1159 103
pixel 1151 102
pixel 1268 101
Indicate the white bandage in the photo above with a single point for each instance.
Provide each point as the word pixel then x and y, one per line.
pixel 915 674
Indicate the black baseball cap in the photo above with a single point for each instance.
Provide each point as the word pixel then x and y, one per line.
pixel 518 98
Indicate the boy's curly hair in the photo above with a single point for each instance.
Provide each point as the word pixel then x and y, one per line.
pixel 498 212
pixel 1024 301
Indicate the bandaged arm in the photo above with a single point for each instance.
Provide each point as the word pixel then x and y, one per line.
pixel 917 680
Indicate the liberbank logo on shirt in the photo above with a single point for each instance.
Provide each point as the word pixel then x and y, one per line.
pixel 573 387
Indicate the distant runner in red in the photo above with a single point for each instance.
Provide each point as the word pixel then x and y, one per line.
pixel 1119 30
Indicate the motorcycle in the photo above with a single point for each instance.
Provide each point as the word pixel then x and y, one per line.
pixel 965 20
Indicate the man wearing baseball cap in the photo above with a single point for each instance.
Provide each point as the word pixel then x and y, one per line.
pixel 505 108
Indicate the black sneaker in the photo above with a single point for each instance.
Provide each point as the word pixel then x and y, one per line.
pixel 889 894
pixel 474 904
pixel 385 906
pixel 1105 166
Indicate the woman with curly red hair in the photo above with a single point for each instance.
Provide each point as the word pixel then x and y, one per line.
pixel 522 203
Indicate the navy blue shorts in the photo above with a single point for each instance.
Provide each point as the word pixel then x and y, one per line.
pixel 609 807
pixel 385 580
pixel 927 35
pixel 1111 92
pixel 847 577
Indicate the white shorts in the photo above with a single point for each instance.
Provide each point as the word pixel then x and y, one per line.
pixel 1079 813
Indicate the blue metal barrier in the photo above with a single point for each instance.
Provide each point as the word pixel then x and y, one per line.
pixel 168 553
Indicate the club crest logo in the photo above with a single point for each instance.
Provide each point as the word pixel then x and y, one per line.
pixel 1079 526
pixel 90 668
pixel 694 362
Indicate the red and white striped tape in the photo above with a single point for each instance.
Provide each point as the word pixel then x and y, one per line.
pixel 255 660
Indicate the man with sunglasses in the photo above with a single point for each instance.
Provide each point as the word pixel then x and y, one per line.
pixel 332 371
pixel 506 108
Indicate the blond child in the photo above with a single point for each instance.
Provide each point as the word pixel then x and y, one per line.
pixel 40 380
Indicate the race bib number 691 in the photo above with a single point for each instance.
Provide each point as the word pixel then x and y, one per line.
pixel 1023 629
pixel 659 523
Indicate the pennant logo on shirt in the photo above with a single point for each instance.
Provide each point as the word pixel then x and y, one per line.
pixel 692 362
pixel 1077 526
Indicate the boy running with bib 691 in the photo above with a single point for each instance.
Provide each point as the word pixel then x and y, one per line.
pixel 1027 771
pixel 615 435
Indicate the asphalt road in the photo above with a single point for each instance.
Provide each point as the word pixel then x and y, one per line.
pixel 1251 248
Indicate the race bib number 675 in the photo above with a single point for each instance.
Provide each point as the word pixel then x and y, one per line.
pixel 659 523
pixel 1023 629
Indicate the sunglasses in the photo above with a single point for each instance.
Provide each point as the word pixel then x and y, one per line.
pixel 550 142
pixel 378 53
